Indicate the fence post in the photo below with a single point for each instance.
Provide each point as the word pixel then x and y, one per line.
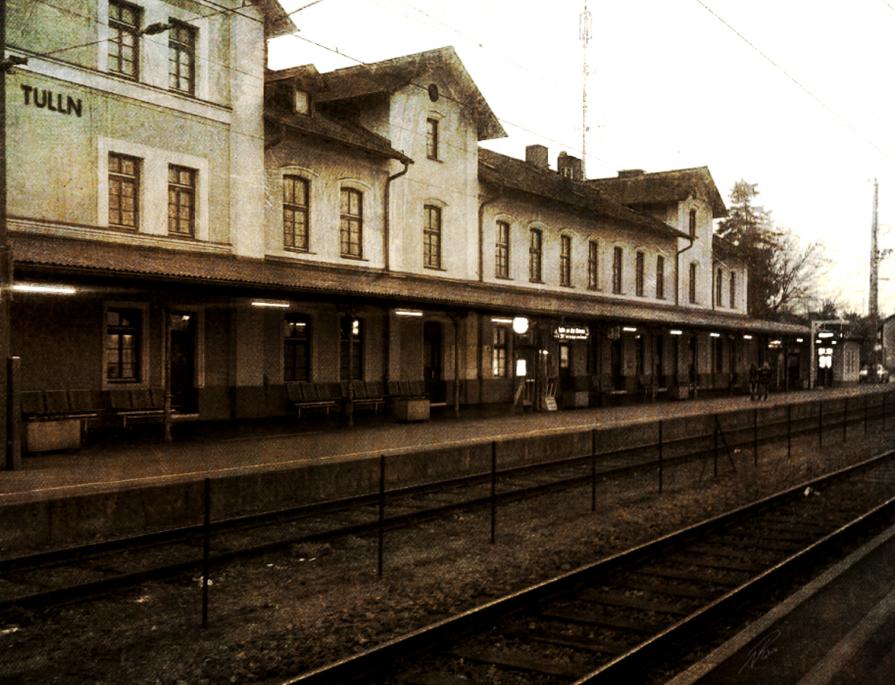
pixel 820 423
pixel 493 491
pixel 865 414
pixel 206 549
pixel 715 450
pixel 593 469
pixel 788 431
pixel 381 531
pixel 661 449
pixel 755 437
pixel 845 419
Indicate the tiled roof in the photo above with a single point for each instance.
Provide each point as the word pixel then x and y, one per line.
pixel 663 187
pixel 515 174
pixel 326 128
pixel 284 277
pixel 392 74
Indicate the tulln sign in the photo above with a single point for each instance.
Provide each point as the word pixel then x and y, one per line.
pixel 47 99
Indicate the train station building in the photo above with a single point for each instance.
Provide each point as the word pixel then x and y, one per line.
pixel 233 242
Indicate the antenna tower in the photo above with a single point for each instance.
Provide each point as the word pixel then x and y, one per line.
pixel 584 34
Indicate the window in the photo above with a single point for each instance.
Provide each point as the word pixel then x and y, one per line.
pixel 351 223
pixel 733 290
pixel 502 250
pixel 295 213
pixel 124 191
pixel 181 200
pixel 499 352
pixel 182 58
pixel 432 237
pixel 693 267
pixel 534 256
pixel 638 271
pixel 617 255
pixel 301 101
pixel 692 223
pixel 124 39
pixel 351 348
pixel 719 284
pixel 593 265
pixel 565 260
pixel 432 138
pixel 296 348
pixel 660 277
pixel 122 352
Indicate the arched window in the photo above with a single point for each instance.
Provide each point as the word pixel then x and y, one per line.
pixel 565 260
pixel 638 271
pixel 535 251
pixel 617 256
pixel 693 271
pixel 432 237
pixel 296 234
pixel 351 223
pixel 660 277
pixel 593 265
pixel 692 223
pixel 502 250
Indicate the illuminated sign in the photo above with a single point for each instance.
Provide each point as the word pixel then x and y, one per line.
pixel 571 333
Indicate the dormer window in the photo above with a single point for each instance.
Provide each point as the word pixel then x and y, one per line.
pixel 301 101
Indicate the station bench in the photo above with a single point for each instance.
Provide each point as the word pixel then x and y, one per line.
pixel 144 405
pixel 57 419
pixel 303 395
pixel 409 400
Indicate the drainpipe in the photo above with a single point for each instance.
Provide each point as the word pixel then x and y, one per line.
pixel 387 212
pixel 482 233
pixel 677 271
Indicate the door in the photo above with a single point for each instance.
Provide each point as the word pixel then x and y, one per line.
pixel 183 361
pixel 433 356
pixel 566 381
pixel 659 360
pixel 616 362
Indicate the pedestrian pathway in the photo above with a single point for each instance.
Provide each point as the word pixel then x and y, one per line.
pixel 123 466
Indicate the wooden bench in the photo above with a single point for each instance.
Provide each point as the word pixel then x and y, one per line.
pixel 138 405
pixel 57 419
pixel 409 400
pixel 302 395
pixel 363 394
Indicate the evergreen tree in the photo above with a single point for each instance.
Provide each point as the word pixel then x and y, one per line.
pixel 782 275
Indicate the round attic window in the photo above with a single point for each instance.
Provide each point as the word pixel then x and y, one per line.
pixel 433 92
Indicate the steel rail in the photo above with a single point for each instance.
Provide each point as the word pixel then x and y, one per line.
pixel 377 659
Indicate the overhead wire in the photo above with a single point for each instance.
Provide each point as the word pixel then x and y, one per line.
pixel 810 93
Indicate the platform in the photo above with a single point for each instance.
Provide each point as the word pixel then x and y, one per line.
pixel 837 630
pixel 139 485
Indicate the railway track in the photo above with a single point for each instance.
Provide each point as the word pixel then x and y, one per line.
pixel 604 622
pixel 79 573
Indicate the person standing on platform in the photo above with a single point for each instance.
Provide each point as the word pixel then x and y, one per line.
pixel 753 382
pixel 764 380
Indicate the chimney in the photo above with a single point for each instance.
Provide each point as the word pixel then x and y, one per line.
pixel 630 173
pixel 569 167
pixel 536 155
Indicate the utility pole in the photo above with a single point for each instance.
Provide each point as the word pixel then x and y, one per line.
pixel 584 34
pixel 873 300
pixel 9 458
pixel 5 264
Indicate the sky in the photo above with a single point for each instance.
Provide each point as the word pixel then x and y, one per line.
pixel 793 95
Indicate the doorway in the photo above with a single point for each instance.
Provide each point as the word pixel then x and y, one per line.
pixel 183 362
pixel 433 360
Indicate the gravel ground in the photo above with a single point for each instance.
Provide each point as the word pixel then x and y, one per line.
pixel 279 615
